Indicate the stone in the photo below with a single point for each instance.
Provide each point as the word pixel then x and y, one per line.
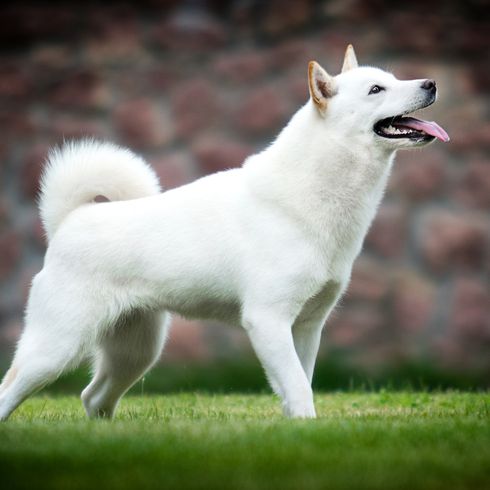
pixel 467 127
pixel 195 107
pixel 19 123
pixel 419 176
pixel 387 235
pixel 479 75
pixel 219 83
pixel 298 89
pixel 276 19
pixel 10 332
pixel 5 211
pixel 422 37
pixel 470 309
pixel 14 82
pixel 262 111
pixel 370 281
pixel 463 345
pixel 140 124
pixel 115 38
pixel 355 326
pixel 38 234
pixel 81 88
pixel 214 154
pixel 186 341
pixel 354 11
pixel 242 67
pixel 24 283
pixel 51 58
pixel 174 169
pixel 161 78
pixel 31 169
pixel 453 240
pixel 24 24
pixel 190 28
pixel 291 53
pixel 473 189
pixel 414 302
pixel 10 252
pixel 70 127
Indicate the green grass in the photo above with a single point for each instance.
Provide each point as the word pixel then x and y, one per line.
pixel 392 440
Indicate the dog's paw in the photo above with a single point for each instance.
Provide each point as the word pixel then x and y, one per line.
pixel 299 410
pixel 94 407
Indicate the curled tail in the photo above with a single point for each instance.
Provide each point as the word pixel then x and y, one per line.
pixel 79 171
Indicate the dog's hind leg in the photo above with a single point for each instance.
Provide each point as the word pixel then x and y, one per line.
pixel 32 370
pixel 54 340
pixel 124 354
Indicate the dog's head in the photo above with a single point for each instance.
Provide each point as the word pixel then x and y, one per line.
pixel 372 103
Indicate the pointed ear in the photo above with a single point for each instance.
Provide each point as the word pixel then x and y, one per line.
pixel 350 60
pixel 321 84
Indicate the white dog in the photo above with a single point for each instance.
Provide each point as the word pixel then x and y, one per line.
pixel 268 246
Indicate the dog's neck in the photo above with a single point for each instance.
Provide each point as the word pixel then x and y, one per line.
pixel 317 173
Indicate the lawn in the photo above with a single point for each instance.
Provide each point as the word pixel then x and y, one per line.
pixel 392 440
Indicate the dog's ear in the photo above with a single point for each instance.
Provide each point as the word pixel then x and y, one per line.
pixel 350 60
pixel 321 84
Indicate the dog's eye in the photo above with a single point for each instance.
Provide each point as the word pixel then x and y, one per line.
pixel 376 89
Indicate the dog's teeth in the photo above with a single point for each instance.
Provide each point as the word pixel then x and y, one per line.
pixel 393 130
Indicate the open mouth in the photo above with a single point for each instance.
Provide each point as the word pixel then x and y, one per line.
pixel 411 128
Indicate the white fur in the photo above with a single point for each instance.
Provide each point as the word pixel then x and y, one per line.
pixel 268 246
pixel 78 172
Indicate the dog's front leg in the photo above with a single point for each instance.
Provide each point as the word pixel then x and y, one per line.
pixel 307 337
pixel 271 336
pixel 308 326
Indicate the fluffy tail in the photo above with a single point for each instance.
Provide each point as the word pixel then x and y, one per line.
pixel 79 171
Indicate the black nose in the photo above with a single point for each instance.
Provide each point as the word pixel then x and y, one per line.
pixel 429 85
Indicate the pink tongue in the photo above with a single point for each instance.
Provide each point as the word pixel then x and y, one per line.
pixel 431 127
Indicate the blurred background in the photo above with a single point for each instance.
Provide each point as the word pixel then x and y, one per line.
pixel 196 86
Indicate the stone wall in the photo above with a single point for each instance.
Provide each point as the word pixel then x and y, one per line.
pixel 197 86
